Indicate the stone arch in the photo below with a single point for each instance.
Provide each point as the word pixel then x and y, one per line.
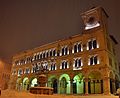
pixel 95 84
pixel 64 80
pixel 33 82
pixel 53 82
pixel 26 83
pixel 78 84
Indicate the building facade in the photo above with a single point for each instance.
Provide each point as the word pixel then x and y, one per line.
pixel 5 69
pixel 81 64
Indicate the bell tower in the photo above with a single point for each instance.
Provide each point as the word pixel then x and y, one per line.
pixel 95 19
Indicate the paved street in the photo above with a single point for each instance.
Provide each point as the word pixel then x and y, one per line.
pixel 15 94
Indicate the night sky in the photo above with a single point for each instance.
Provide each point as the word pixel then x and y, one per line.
pixel 26 24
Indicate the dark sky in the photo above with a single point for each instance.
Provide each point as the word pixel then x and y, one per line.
pixel 26 24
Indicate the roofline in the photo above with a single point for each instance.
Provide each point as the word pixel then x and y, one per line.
pixel 95 8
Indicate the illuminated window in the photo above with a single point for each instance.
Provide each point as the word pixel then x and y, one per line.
pixel 54 52
pixel 64 50
pixel 50 53
pixel 20 72
pixel 92 44
pixel 27 71
pixel 77 64
pixel 64 65
pixel 53 66
pixel 47 54
pixel 33 69
pixel 77 47
pixel 43 54
pixel 93 60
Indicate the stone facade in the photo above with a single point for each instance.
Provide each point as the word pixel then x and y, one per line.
pixel 81 64
pixel 4 74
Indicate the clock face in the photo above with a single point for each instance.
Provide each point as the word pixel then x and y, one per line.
pixel 91 23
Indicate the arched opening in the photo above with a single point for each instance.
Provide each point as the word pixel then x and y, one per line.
pixel 95 84
pixel 33 82
pixel 19 84
pixel 26 84
pixel 55 86
pixel 78 84
pixel 64 84
pixel 53 82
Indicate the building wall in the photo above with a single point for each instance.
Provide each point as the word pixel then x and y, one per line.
pixel 91 68
pixel 4 74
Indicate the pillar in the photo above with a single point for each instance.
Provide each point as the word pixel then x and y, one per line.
pixel 106 85
pixel 114 87
pixel 86 85
pixel 59 86
pixel 71 86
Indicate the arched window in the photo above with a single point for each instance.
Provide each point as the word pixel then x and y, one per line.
pixel 64 50
pixel 47 54
pixel 43 54
pixel 50 52
pixel 20 72
pixel 75 48
pixel 54 52
pixel 77 64
pixel 79 47
pixel 64 64
pixel 92 44
pixel 93 60
pixel 27 71
pixel 53 66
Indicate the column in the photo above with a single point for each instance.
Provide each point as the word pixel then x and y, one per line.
pixel 59 86
pixel 114 87
pixel 86 85
pixel 106 85
pixel 71 86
